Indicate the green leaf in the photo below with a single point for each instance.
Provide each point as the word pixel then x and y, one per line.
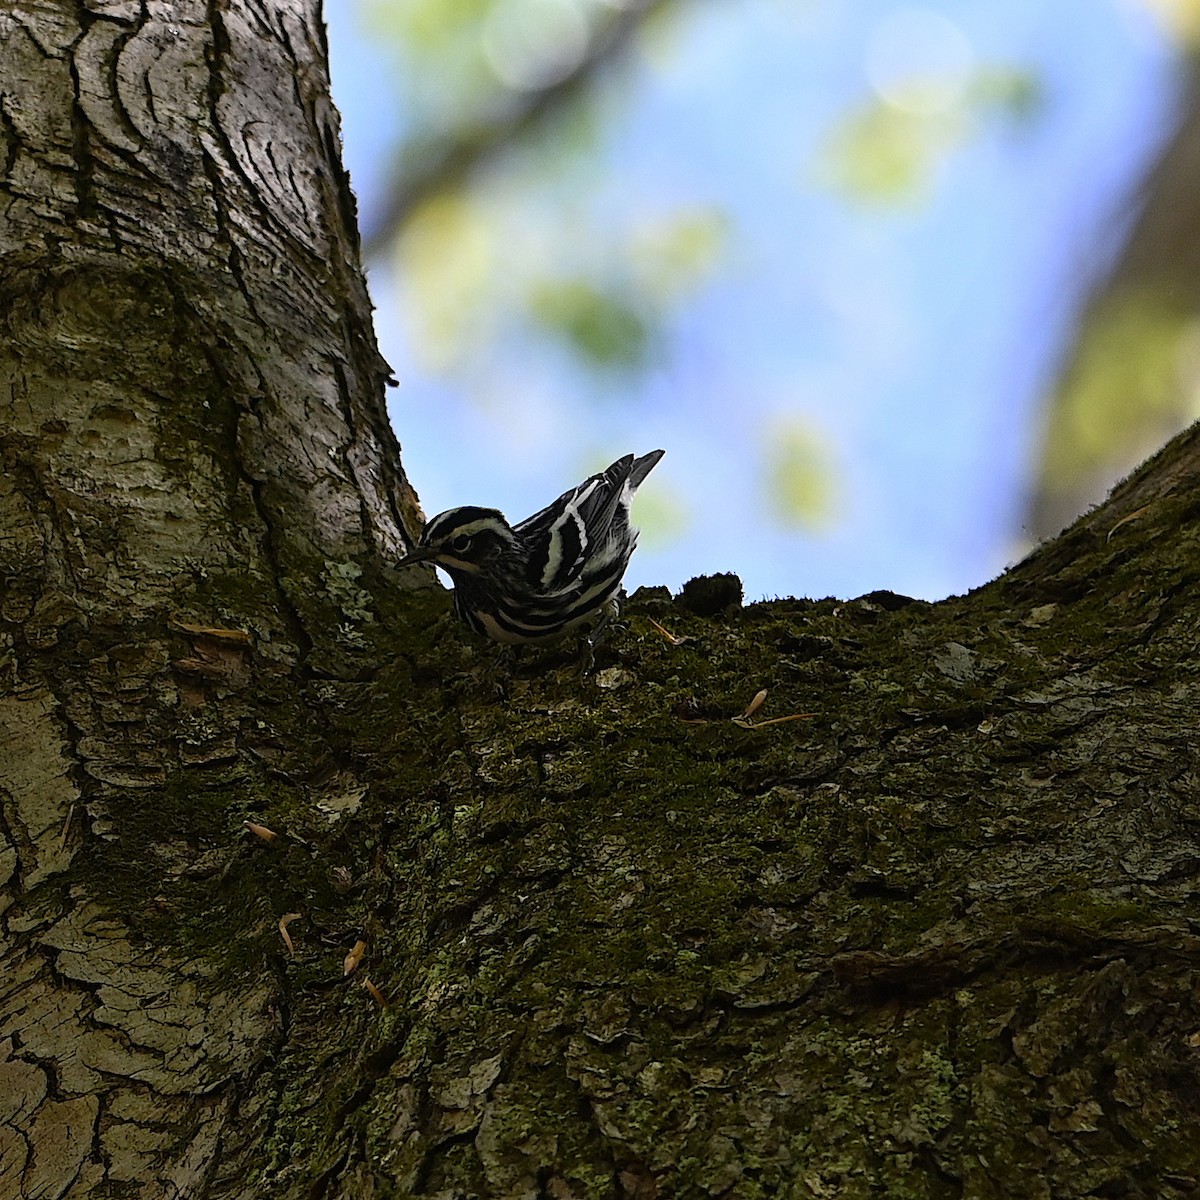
pixel 887 151
pixel 1125 392
pixel 602 327
pixel 798 478
pixel 428 26
pixel 1013 91
pixel 447 255
pixel 674 254
pixel 886 154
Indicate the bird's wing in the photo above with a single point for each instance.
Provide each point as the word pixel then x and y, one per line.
pixel 565 533
pixel 586 530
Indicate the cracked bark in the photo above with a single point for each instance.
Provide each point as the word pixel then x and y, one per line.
pixel 939 940
pixel 187 359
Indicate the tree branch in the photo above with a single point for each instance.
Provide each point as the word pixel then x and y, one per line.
pixel 437 163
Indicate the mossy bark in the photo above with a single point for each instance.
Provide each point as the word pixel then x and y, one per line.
pixel 936 938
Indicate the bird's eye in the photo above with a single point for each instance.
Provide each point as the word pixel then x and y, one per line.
pixel 461 543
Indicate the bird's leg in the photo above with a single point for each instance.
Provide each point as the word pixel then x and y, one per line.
pixel 608 617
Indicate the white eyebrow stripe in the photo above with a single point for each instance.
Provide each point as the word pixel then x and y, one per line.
pixel 474 527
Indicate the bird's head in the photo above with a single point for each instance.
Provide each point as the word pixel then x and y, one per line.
pixel 467 540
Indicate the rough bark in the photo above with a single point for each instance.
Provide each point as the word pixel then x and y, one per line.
pixel 937 939
pixel 193 442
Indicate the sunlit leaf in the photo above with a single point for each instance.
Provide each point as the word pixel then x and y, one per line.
pixel 446 253
pixel 1013 91
pixel 1126 390
pixel 888 150
pixel 532 44
pixel 675 254
pixel 886 154
pixel 602 327
pixel 661 517
pixel 428 26
pixel 798 477
pixel 1180 18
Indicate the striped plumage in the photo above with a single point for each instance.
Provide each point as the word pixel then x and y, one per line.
pixel 550 575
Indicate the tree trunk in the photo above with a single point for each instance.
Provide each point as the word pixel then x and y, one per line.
pixel 938 938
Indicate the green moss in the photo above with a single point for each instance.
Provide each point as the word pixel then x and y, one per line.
pixel 825 954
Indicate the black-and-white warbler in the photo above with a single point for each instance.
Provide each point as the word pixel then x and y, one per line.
pixel 551 574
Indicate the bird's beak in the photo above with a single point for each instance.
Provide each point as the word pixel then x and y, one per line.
pixel 419 555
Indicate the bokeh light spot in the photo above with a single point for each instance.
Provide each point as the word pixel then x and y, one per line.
pixel 532 44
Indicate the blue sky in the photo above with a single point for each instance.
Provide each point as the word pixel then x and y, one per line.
pixel 904 346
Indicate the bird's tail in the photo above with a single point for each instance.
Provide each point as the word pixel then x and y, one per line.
pixel 642 467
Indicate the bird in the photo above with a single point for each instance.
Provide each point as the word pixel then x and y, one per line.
pixel 549 575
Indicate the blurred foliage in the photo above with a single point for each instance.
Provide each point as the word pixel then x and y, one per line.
pixel 675 253
pixel 511 227
pixel 463 57
pixel 603 327
pixel 885 154
pixel 888 150
pixel 659 516
pixel 445 72
pixel 438 27
pixel 487 240
pixel 799 476
pixel 1180 18
pixel 613 323
pixel 447 253
pixel 502 166
pixel 1009 91
pixel 1133 377
pixel 475 262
